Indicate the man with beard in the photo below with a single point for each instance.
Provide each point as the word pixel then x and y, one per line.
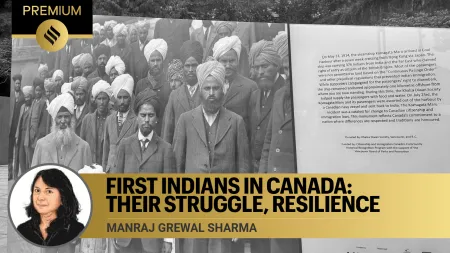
pixel 138 62
pixel 121 124
pixel 38 121
pixel 101 54
pixel 58 78
pixel 62 145
pixel 267 63
pixel 18 102
pixel 144 152
pixel 237 88
pixel 80 92
pixel 109 41
pixel 155 53
pixel 205 35
pixel 210 139
pixel 93 126
pixel 50 94
pixel 187 97
pixel 115 67
pixel 23 125
pixel 278 152
pixel 122 48
pixel 77 68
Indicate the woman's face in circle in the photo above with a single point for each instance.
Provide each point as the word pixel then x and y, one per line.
pixel 45 198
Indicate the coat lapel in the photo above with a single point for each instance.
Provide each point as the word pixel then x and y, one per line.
pixel 233 90
pixel 136 148
pixel 223 125
pixel 126 125
pixel 83 113
pixel 181 94
pixel 197 121
pixel 258 106
pixel 151 149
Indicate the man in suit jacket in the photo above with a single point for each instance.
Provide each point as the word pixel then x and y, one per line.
pixel 62 145
pixel 278 154
pixel 237 88
pixel 210 139
pixel 268 31
pixel 93 126
pixel 205 35
pixel 122 48
pixel 50 94
pixel 144 152
pixel 187 96
pixel 119 125
pixel 138 62
pixel 23 124
pixel 155 52
pixel 18 100
pixel 38 120
pixel 64 58
pixel 80 89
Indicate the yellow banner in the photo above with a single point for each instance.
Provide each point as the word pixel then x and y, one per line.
pixel 275 206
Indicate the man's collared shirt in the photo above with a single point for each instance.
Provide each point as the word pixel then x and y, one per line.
pixel 192 89
pixel 142 138
pixel 78 111
pixel 210 118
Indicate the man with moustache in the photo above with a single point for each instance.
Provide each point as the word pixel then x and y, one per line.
pixel 278 154
pixel 115 67
pixel 237 88
pixel 80 92
pixel 93 126
pixel 144 152
pixel 62 145
pixel 155 53
pixel 101 54
pixel 109 41
pixel 210 139
pixel 23 125
pixel 138 62
pixel 187 97
pixel 122 47
pixel 121 124
pixel 18 99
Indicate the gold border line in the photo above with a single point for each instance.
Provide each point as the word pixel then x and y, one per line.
pixel 71 36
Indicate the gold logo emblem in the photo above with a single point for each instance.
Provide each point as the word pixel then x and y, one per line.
pixel 52 35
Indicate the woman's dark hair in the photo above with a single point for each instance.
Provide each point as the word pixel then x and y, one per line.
pixel 70 206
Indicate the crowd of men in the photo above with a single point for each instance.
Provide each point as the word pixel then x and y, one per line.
pixel 205 101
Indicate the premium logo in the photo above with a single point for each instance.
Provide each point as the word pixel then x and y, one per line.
pixel 52 32
pixel 52 35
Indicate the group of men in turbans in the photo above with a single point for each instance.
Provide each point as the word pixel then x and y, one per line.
pixel 216 108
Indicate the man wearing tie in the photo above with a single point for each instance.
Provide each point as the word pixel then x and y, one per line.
pixel 205 35
pixel 186 97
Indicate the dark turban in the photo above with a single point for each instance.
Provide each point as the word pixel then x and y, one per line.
pixel 38 82
pixel 17 77
pixel 147 96
pixel 265 49
pixel 102 49
pixel 191 48
pixel 228 24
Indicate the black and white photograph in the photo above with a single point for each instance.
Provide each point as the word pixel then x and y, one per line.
pixel 50 206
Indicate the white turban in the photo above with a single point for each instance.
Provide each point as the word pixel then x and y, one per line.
pixel 86 58
pixel 42 67
pixel 110 24
pixel 120 29
pixel 101 86
pixel 115 62
pixel 93 169
pixel 142 24
pixel 58 73
pixel 63 100
pixel 210 68
pixel 76 60
pixel 96 27
pixel 49 84
pixel 123 82
pixel 102 28
pixel 159 45
pixel 66 87
pixel 27 90
pixel 225 44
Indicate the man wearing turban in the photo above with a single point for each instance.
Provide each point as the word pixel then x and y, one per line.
pixel 50 94
pixel 102 34
pixel 58 78
pixel 96 29
pixel 115 67
pixel 237 88
pixel 210 139
pixel 278 154
pixel 143 152
pixel 43 71
pixel 155 53
pixel 121 124
pixel 110 40
pixel 77 67
pixel 19 100
pixel 67 88
pixel 86 64
pixel 138 62
pixel 187 97
pixel 122 48
pixel 62 145
pixel 281 44
pixel 205 35
pixel 132 33
pixel 93 126
pixel 80 91
pixel 101 57
pixel 175 75
pixel 22 157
